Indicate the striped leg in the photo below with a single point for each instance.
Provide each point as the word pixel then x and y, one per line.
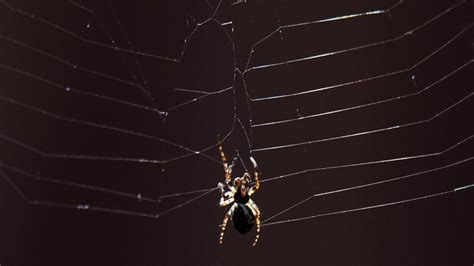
pixel 256 177
pixel 224 223
pixel 227 168
pixel 257 223
pixel 256 212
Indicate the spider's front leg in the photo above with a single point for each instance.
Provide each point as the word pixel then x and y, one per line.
pixel 224 222
pixel 254 188
pixel 256 173
pixel 226 198
pixel 227 167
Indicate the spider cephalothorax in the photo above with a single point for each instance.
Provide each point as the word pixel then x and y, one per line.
pixel 244 213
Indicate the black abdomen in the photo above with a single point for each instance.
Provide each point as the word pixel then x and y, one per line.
pixel 243 218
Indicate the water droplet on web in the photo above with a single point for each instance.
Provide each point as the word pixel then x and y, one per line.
pixel 163 116
pixel 413 79
pixel 298 112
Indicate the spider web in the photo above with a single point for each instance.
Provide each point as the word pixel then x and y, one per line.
pixel 135 132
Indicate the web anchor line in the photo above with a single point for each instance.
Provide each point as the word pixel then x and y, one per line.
pixel 87 207
pixel 394 39
pixel 99 74
pixel 210 19
pixel 363 80
pixel 44 154
pixel 76 36
pixel 108 128
pixel 72 90
pixel 384 181
pixel 78 67
pixel 368 132
pixel 371 207
pixel 326 20
pixel 397 98
pixel 114 47
pixel 146 91
pixel 341 166
pixel 383 161
pixel 147 215
pixel 24 13
pixel 39 178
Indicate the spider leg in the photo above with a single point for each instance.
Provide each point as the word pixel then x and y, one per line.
pixel 226 199
pixel 227 168
pixel 257 223
pixel 224 223
pixel 251 204
pixel 254 188
pixel 256 212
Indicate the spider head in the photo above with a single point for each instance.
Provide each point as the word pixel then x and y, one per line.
pixel 242 183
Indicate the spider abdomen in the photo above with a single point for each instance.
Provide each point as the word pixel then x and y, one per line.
pixel 243 218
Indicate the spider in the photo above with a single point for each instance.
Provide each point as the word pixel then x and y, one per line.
pixel 244 213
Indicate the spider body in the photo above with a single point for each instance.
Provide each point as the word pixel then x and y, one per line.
pixel 243 212
pixel 243 218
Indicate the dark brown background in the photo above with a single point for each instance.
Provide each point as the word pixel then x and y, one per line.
pixel 430 232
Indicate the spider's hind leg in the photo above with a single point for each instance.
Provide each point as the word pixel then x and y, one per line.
pixel 257 223
pixel 256 212
pixel 224 223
